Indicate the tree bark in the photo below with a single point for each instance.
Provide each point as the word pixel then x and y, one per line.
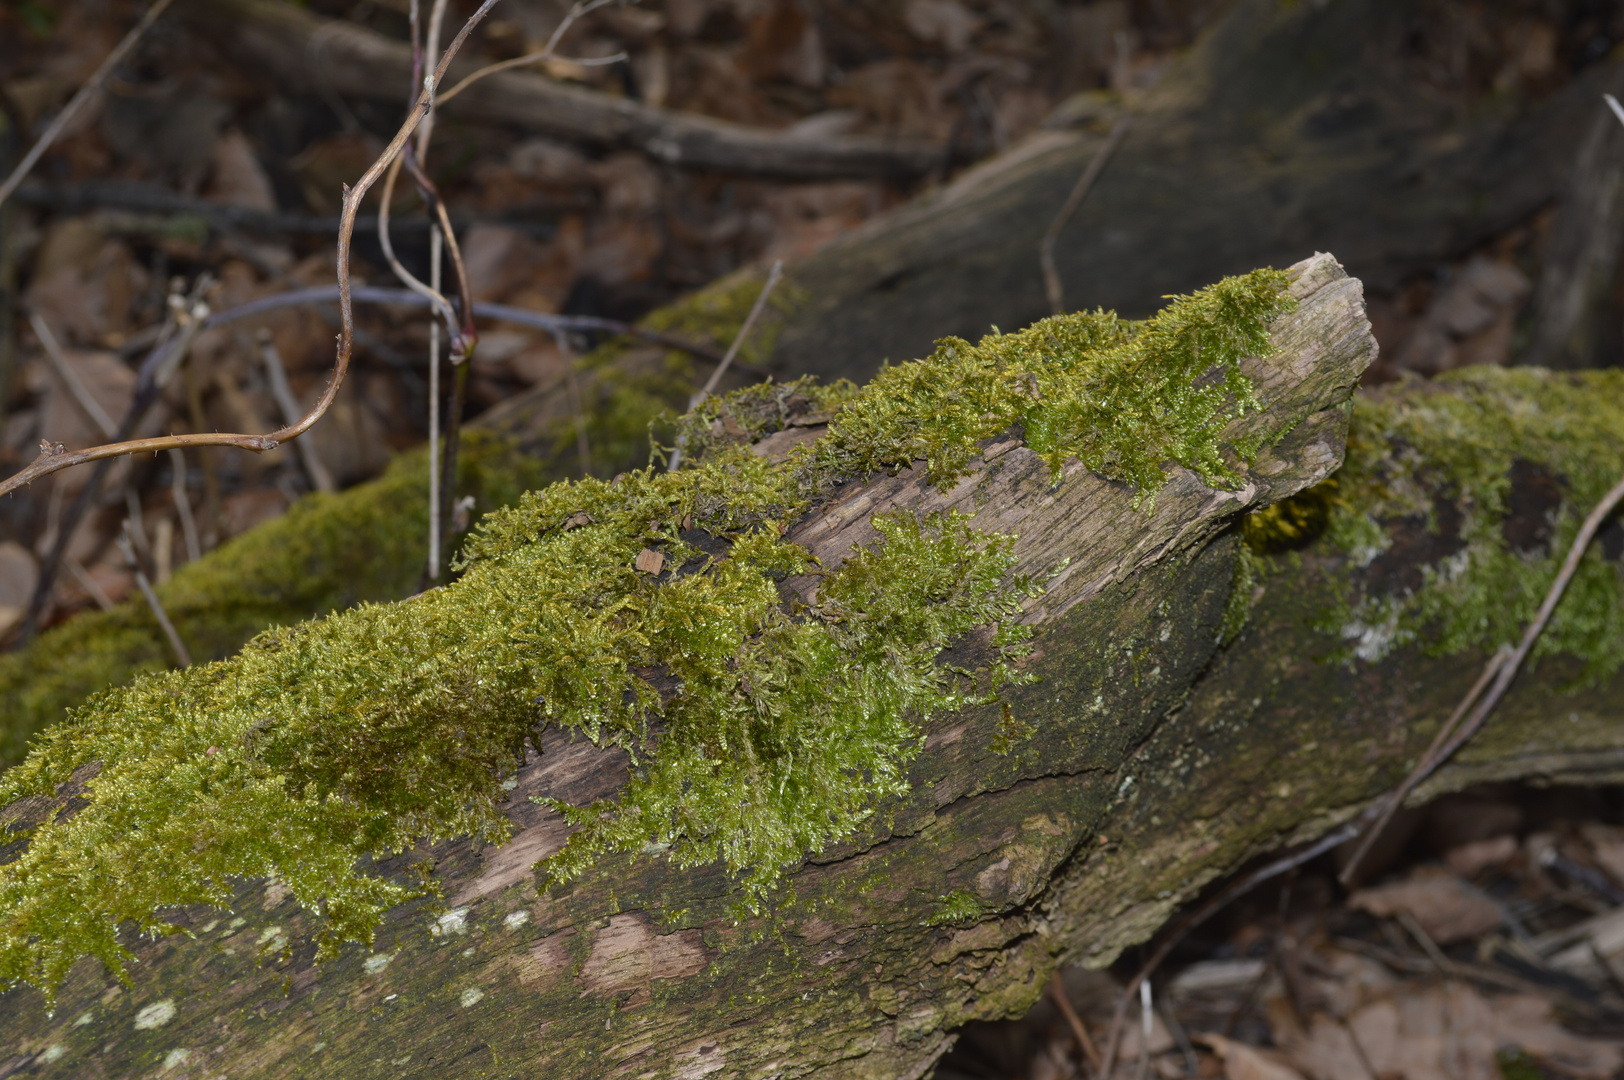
pixel 1159 759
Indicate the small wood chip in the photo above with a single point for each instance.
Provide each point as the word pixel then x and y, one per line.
pixel 577 520
pixel 650 561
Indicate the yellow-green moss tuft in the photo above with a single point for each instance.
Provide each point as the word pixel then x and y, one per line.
pixel 304 564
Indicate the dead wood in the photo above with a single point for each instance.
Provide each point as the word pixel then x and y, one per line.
pixel 299 47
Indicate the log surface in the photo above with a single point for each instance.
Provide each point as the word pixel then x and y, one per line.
pixel 638 969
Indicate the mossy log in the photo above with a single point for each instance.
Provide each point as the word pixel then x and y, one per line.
pixel 1193 710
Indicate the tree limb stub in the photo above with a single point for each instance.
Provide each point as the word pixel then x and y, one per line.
pixel 351 60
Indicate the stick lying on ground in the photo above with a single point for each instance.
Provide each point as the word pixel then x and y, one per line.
pixel 358 62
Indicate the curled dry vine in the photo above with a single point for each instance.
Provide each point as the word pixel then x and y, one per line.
pixel 54 458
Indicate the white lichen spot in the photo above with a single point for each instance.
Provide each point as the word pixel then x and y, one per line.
pixel 155 1015
pixel 516 919
pixel 274 936
pixel 1371 642
pixel 175 1057
pixel 209 927
pixel 510 783
pixel 85 1017
pixel 377 962
pixel 275 893
pixel 454 921
pixel 469 951
pixel 472 996
pixel 319 1047
pixel 391 997
pixel 52 1052
pixel 234 924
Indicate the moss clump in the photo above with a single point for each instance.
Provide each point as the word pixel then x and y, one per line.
pixel 1460 444
pixel 306 563
pixel 648 613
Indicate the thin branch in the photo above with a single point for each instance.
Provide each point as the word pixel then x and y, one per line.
pixel 433 570
pixel 183 505
pixel 1206 911
pixel 76 388
pixel 174 343
pixel 732 351
pixel 543 54
pixel 52 460
pixel 539 320
pixel 773 277
pixel 80 99
pixel 96 593
pixel 1051 275
pixel 1395 798
pixel 277 376
pixel 1057 991
pixel 1506 671
pixel 153 602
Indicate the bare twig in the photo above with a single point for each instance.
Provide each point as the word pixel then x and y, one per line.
pixel 732 351
pixel 1506 671
pixel 1395 798
pixel 433 571
pixel 88 584
pixel 159 367
pixel 1062 1001
pixel 1051 275
pixel 539 320
pixel 542 55
pixel 1223 899
pixel 183 505
pixel 76 388
pixel 50 462
pixel 153 602
pixel 277 376
pixel 773 277
pixel 89 90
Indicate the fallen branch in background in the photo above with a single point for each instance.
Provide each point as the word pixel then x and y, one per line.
pixel 89 90
pixel 367 65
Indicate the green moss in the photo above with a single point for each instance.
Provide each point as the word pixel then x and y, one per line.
pixel 306 563
pixel 1458 443
pixel 649 613
pixel 958 906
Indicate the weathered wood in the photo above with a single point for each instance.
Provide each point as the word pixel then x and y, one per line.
pixel 1287 128
pixel 1158 759
pixel 637 968
pixel 302 49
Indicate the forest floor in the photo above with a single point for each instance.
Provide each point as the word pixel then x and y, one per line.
pixel 1492 941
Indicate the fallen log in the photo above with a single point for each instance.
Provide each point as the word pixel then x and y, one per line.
pixel 301 48
pixel 1179 725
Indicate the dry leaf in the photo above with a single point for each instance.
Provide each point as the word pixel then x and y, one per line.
pixel 1242 1062
pixel 650 561
pixel 1446 907
pixel 1468 860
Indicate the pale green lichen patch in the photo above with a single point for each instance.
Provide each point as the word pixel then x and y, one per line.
pixel 645 613
pixel 1497 467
